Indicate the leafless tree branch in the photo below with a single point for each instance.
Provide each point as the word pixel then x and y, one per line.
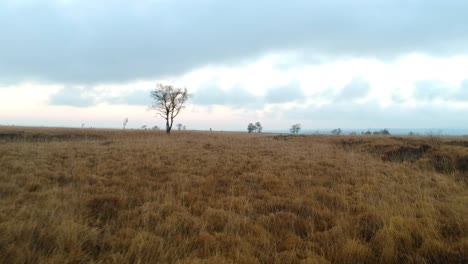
pixel 167 102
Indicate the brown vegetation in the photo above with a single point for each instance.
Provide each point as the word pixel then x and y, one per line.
pixel 104 196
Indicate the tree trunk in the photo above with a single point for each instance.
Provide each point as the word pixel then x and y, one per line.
pixel 168 127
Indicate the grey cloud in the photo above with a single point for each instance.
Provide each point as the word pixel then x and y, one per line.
pixel 210 95
pixel 372 115
pixel 138 97
pixel 240 97
pixel 462 93
pixel 237 97
pixel 284 94
pixel 397 98
pixel 71 96
pixel 328 94
pixel 429 90
pixel 93 42
pixel 356 89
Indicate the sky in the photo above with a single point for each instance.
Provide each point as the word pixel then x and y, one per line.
pixel 323 64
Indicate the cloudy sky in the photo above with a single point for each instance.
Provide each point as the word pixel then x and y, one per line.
pixel 324 64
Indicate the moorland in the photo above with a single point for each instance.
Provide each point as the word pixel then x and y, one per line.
pixel 134 196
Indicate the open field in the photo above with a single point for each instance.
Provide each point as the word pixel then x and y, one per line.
pixel 108 196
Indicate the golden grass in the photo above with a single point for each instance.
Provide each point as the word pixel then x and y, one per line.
pixel 107 196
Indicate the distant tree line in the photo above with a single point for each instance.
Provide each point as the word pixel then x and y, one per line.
pixel 169 100
pixel 385 131
pixel 258 128
pixel 380 132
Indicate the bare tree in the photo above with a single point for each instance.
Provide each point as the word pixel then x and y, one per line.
pixel 337 131
pixel 125 123
pixel 251 128
pixel 167 102
pixel 295 129
pixel 179 126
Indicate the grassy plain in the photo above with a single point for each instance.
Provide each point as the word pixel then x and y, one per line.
pixel 108 196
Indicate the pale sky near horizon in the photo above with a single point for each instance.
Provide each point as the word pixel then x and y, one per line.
pixel 324 64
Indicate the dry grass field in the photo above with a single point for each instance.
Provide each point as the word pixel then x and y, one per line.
pixel 108 196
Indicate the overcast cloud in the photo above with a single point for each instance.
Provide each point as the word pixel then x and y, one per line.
pixel 137 97
pixel 430 90
pixel 336 63
pixel 235 97
pixel 462 93
pixel 71 96
pixel 373 115
pixel 356 89
pixel 111 41
pixel 285 94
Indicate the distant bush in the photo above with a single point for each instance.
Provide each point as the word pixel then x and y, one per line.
pixel 337 131
pixel 257 127
pixel 295 129
pixel 251 128
pixel 380 132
